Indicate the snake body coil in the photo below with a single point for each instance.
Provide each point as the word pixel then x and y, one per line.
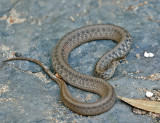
pixel 104 68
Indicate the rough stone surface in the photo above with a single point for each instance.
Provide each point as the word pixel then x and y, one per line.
pixel 31 28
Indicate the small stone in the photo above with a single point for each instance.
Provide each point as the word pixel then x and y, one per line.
pixel 124 72
pixel 139 111
pixel 152 98
pixel 116 85
pixel 77 14
pixel 72 18
pixel 145 2
pixel 17 54
pixel 153 115
pixel 78 5
pixel 148 54
pixel 149 94
pixel 158 99
pixel 138 56
pixel 89 96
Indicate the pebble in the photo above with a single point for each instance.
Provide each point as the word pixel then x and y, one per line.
pixel 17 54
pixel 138 56
pixel 72 18
pixel 148 54
pixel 149 94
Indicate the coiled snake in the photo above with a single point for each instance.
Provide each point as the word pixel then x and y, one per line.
pixel 104 69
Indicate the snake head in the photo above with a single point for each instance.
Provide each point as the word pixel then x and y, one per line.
pixel 108 73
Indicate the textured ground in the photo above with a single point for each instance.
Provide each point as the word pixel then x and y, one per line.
pixel 31 28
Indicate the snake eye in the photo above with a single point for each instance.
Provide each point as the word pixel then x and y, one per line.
pixel 120 61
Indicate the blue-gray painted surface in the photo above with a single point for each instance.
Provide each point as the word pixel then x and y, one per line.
pixel 31 28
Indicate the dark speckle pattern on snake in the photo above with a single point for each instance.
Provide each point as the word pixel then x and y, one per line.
pixel 104 69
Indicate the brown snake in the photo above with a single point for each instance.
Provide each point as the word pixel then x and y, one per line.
pixel 104 68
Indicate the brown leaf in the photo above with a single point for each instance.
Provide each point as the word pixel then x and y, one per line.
pixel 147 105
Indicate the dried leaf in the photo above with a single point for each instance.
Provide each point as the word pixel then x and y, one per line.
pixel 147 105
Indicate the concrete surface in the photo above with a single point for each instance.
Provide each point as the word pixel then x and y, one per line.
pixel 31 28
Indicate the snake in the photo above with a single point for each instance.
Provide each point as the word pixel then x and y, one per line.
pixel 104 69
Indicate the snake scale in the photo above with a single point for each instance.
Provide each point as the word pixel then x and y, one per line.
pixel 104 69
